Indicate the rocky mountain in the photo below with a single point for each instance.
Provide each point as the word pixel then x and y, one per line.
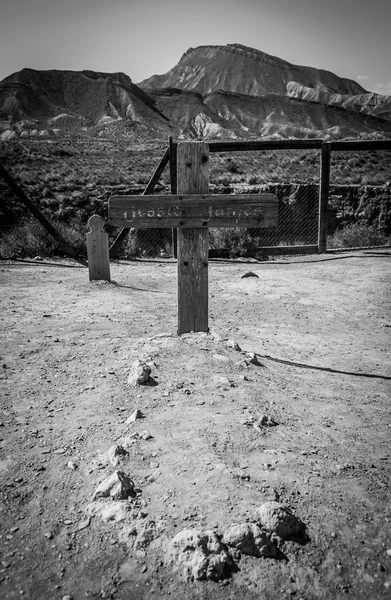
pixel 284 116
pixel 268 82
pixel 236 68
pixel 213 92
pixel 368 102
pixel 55 102
pixel 192 116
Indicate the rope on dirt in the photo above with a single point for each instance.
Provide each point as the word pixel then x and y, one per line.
pixel 316 368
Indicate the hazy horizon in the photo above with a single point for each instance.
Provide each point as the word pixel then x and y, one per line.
pixel 142 38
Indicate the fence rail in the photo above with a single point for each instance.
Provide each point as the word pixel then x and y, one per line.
pixel 312 201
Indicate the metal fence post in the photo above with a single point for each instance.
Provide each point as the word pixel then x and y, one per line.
pixel 324 188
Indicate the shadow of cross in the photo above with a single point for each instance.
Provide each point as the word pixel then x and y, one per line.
pixel 192 211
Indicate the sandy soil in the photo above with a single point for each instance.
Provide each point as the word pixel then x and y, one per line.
pixel 200 458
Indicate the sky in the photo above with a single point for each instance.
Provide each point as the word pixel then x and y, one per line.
pixel 141 38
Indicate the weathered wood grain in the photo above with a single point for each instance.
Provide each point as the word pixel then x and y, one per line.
pixel 195 210
pixel 193 178
pixel 244 146
pixel 98 250
pixel 361 145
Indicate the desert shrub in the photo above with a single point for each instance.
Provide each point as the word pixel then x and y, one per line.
pixel 374 178
pixel 232 166
pixel 277 175
pixel 235 239
pixel 31 239
pixel 356 235
pixel 253 180
pixel 225 181
pixel 147 242
pixel 142 178
pixel 63 152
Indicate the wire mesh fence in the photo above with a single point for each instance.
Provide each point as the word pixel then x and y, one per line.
pixel 71 179
pixel 359 211
pixel 292 175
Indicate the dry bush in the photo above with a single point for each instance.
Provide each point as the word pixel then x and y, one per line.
pixel 31 239
pixel 357 235
pixel 235 239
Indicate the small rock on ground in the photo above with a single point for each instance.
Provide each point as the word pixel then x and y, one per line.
pixel 279 519
pixel 137 414
pixel 139 373
pixel 266 421
pixel 115 453
pixel 234 345
pixel 109 511
pixel 118 487
pixel 202 555
pixel 249 539
pixel 252 358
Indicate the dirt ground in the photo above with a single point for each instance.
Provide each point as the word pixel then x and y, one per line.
pixel 201 458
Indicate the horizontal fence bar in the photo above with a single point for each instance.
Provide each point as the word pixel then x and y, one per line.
pixel 361 145
pixel 265 145
pixel 280 250
pixel 356 248
pixel 297 145
pixel 267 250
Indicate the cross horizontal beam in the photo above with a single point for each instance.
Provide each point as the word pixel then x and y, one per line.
pixel 194 210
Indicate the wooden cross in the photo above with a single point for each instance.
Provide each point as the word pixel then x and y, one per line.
pixel 193 211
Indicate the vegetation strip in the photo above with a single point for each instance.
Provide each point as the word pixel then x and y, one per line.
pixel 37 213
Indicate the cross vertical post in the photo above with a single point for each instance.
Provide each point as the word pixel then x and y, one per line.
pixel 193 244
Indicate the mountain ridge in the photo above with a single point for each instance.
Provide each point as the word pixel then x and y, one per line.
pixel 64 101
pixel 267 97
pixel 55 83
pixel 187 73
